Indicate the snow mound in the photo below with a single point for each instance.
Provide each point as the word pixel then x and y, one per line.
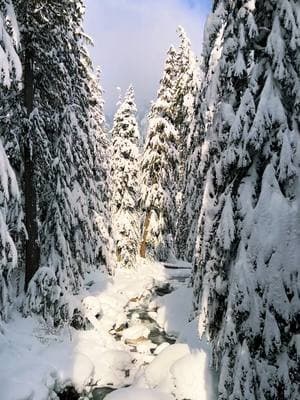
pixel 138 394
pixel 161 347
pixel 168 316
pixel 158 370
pixel 136 332
pixel 145 347
pixel 92 309
pixel 79 371
pixel 178 371
pixel 113 367
pixel 191 377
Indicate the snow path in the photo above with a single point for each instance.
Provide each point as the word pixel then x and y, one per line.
pixel 131 323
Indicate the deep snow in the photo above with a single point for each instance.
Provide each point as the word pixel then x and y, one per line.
pixel 117 350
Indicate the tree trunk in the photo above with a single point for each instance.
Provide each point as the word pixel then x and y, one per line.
pixel 32 254
pixel 143 247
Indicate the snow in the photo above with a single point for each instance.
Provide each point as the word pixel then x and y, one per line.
pixel 226 228
pixel 138 394
pixel 136 332
pixel 37 360
pixel 183 373
pixel 112 364
pixel 168 316
pixel 92 307
pixel 9 59
pixel 191 377
pixel 161 347
pixel 157 371
pixel 79 371
pixel 190 334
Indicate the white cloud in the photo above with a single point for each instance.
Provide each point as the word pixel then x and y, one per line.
pixel 131 38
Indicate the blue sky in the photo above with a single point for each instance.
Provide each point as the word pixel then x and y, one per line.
pixel 131 38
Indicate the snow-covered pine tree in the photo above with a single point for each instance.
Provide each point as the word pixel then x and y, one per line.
pixel 125 181
pixel 197 159
pixel 9 213
pixel 10 204
pixel 186 90
pixel 68 184
pixel 96 182
pixel 100 148
pixel 52 95
pixel 160 168
pixel 186 110
pixel 246 279
pixel 218 105
pixel 20 131
pixel 182 87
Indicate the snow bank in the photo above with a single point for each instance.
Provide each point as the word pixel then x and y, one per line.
pixel 191 378
pixel 189 334
pixel 174 310
pixel 78 371
pixel 178 371
pixel 135 332
pixel 112 368
pixel 138 394
pixel 160 366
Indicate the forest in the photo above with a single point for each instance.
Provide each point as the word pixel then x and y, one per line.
pixel 163 267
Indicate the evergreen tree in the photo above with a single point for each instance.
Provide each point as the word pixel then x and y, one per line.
pixel 47 30
pixel 246 273
pixel 186 90
pixel 9 213
pixel 176 103
pixel 56 141
pixel 125 181
pixel 160 170
pixel 10 205
pixel 66 142
pixel 186 111
pixel 198 144
pixel 103 241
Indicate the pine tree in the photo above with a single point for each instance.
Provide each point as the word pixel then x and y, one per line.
pixel 103 242
pixel 56 141
pixel 186 90
pixel 10 205
pixel 197 157
pixel 245 265
pixel 216 119
pixel 68 174
pixel 185 109
pixel 125 181
pixel 51 95
pixel 176 103
pixel 160 170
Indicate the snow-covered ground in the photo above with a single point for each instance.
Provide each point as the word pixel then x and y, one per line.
pixel 127 343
